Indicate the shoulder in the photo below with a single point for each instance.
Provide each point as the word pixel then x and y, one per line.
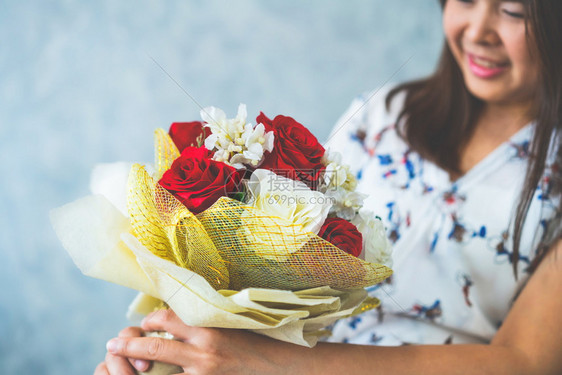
pixel 368 112
pixel 366 116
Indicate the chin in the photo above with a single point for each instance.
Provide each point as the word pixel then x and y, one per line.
pixel 488 96
pixel 491 92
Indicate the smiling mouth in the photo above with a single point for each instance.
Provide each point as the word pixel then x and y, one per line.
pixel 485 63
pixel 486 69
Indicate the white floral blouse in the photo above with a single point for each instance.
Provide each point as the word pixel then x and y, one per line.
pixel 453 279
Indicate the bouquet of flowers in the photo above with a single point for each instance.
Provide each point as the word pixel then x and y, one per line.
pixel 236 226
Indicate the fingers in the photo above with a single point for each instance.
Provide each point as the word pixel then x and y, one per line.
pixel 131 332
pixel 139 364
pixel 118 365
pixel 150 348
pixel 101 369
pixel 167 320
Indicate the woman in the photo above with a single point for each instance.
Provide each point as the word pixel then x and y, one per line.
pixel 445 160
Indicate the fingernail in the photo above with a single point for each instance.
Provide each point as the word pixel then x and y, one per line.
pixel 112 345
pixel 146 319
pixel 141 365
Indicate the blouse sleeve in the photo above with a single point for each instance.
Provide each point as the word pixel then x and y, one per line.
pixel 354 131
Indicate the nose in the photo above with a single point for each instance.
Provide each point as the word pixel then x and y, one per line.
pixel 482 27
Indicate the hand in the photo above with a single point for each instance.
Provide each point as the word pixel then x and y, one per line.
pixel 114 364
pixel 201 351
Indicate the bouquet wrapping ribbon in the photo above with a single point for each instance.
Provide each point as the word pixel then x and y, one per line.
pixel 98 238
pixel 231 265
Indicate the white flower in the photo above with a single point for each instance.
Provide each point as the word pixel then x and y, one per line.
pixel 218 123
pixel 255 141
pixel 331 157
pixel 334 175
pixel 376 245
pixel 234 141
pixel 345 203
pixel 338 183
pixel 289 199
pixel 287 217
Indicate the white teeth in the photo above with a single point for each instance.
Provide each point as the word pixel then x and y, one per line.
pixel 486 63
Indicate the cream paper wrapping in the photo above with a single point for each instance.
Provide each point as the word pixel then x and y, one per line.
pixel 97 236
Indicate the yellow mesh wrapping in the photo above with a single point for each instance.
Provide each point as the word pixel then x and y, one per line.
pixel 369 303
pixel 169 230
pixel 235 246
pixel 267 252
pixel 165 152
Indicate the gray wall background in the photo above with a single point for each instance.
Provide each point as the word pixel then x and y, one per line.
pixel 77 87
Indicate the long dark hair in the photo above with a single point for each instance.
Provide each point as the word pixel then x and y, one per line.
pixel 440 113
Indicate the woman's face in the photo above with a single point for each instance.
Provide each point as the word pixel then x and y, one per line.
pixel 488 41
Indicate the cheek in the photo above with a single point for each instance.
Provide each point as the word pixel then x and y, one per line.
pixel 521 56
pixel 452 28
pixel 448 28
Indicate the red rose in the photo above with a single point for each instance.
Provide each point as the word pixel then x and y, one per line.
pixel 343 234
pixel 187 134
pixel 197 181
pixel 296 154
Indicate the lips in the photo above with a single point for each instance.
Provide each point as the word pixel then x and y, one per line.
pixel 486 68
